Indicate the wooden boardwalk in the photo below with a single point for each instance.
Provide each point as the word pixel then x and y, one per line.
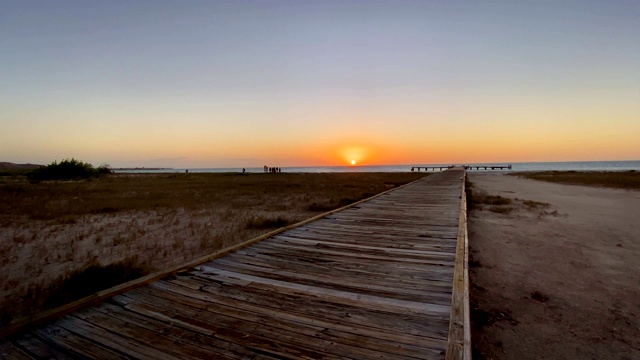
pixel 372 281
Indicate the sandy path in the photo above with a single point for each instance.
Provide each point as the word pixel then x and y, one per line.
pixel 562 285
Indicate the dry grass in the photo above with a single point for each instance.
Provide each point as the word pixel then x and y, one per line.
pixel 480 200
pixel 118 193
pixel 501 209
pixel 620 180
pixel 59 233
pixel 535 204
pixel 477 200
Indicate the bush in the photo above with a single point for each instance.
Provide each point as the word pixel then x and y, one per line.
pixel 68 169
pixel 90 280
pixel 267 223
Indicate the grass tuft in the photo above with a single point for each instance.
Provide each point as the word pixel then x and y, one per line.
pixel 495 200
pixel 321 207
pixel 535 204
pixel 501 209
pixel 539 297
pixel 92 279
pixel 267 223
pixel 476 200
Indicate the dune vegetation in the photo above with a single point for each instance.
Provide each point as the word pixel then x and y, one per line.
pixel 613 179
pixel 64 239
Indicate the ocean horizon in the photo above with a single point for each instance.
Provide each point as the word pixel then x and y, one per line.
pixel 626 165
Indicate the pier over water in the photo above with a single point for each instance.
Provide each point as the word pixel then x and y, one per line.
pixel 382 278
pixel 466 167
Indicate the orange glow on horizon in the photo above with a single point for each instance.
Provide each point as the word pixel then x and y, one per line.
pixel 354 154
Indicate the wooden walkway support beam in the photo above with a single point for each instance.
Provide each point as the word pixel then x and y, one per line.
pixel 386 277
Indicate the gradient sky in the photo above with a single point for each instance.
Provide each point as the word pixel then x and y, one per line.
pixel 303 83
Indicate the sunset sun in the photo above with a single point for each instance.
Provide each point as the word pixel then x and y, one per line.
pixel 353 162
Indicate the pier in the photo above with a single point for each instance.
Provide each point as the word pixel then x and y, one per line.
pixel 466 167
pixel 488 167
pixel 385 277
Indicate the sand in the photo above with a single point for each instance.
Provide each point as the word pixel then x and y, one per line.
pixel 559 282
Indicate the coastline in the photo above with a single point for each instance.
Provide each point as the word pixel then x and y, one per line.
pixel 624 165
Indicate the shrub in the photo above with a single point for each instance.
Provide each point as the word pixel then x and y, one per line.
pixel 501 209
pixel 68 169
pixel 267 223
pixel 92 279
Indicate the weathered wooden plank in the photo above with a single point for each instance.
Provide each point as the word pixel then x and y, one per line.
pixel 435 219
pixel 388 229
pixel 408 329
pixel 273 325
pixel 359 248
pixel 118 340
pixel 336 260
pixel 380 253
pixel 181 331
pixel 36 348
pixel 320 255
pixel 397 274
pixel 76 345
pixel 346 256
pixel 420 241
pixel 163 337
pixel 434 294
pixel 340 277
pixel 9 351
pixel 391 225
pixel 382 303
pixel 241 337
pixel 377 241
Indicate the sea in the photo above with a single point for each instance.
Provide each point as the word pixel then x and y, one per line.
pixel 515 167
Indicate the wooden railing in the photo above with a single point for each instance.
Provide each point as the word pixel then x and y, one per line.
pixel 459 344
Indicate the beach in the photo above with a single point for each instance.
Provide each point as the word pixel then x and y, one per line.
pixel 554 272
pixel 553 267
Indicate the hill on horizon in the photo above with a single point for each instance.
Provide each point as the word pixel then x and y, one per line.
pixel 9 165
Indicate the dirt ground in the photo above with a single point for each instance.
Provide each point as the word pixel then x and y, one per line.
pixel 557 281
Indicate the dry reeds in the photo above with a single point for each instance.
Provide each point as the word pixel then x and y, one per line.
pixel 56 236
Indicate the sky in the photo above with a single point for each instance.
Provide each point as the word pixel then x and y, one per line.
pixel 318 83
